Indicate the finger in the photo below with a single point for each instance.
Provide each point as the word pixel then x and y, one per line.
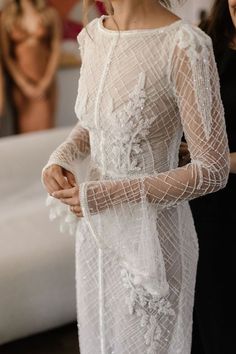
pixel 71 178
pixel 75 209
pixel 61 180
pixel 51 185
pixel 79 215
pixel 64 193
pixel 69 201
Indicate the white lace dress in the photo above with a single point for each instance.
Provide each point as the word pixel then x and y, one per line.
pixel 136 246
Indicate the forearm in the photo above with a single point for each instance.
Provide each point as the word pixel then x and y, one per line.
pixel 55 48
pixel 15 73
pixel 51 68
pixel 75 147
pixel 6 48
pixel 164 189
pixel 233 162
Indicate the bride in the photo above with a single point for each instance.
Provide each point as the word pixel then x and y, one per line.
pixel 147 77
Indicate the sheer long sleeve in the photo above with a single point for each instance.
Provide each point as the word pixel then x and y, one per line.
pixel 71 155
pixel 195 84
pixel 76 147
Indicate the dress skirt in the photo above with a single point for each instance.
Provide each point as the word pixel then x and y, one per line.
pixel 117 316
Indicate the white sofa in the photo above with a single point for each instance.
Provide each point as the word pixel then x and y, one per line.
pixel 37 271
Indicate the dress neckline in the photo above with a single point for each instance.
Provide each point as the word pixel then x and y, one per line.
pixel 135 31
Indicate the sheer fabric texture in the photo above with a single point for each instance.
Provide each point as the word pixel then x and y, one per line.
pixel 136 246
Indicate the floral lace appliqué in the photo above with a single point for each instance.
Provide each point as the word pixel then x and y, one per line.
pixel 198 49
pixel 149 308
pixel 131 127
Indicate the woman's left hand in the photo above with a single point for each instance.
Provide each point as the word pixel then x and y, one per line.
pixel 40 92
pixel 70 197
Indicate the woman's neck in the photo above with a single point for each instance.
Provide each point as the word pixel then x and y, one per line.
pixel 134 14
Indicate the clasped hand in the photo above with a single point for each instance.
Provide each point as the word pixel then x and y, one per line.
pixel 61 184
pixel 70 197
pixel 34 91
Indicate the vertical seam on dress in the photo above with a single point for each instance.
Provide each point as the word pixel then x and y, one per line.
pixel 102 81
pixel 101 301
pixel 99 94
pixel 101 152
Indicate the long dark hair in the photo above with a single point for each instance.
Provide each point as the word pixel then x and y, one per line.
pixel 219 26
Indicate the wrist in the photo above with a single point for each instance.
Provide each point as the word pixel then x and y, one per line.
pixel 43 84
pixel 23 84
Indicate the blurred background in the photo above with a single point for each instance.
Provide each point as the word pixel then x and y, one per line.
pixel 37 286
pixel 66 70
pixel 67 73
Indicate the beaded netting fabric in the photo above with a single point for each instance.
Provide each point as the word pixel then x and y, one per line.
pixel 137 250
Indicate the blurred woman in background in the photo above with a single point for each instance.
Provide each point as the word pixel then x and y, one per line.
pixel 214 215
pixel 7 121
pixel 31 36
pixel 1 89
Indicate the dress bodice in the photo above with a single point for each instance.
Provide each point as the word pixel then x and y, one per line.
pixel 126 98
pixel 138 92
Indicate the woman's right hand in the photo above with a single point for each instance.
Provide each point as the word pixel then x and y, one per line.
pixel 56 178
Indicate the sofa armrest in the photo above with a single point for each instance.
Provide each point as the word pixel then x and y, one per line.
pixel 22 158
